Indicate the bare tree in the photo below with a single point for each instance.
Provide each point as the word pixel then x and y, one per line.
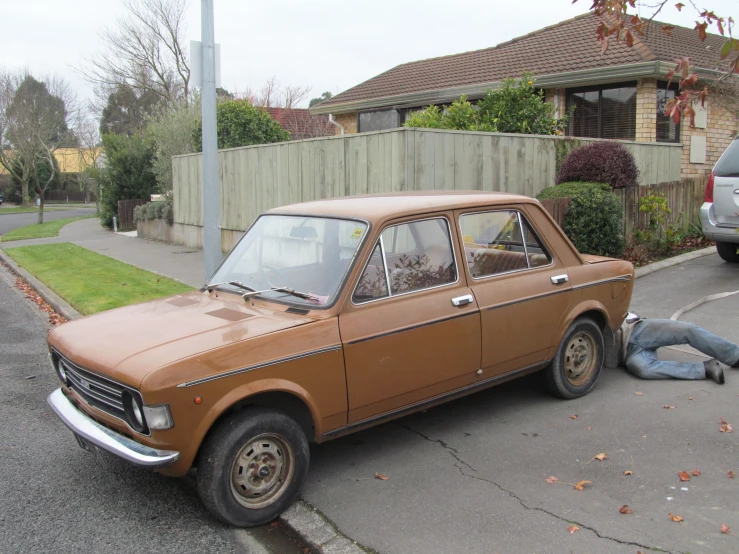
pixel 273 95
pixel 35 118
pixel 269 94
pixel 144 50
pixel 294 95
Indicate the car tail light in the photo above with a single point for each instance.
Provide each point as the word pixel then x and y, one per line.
pixel 709 188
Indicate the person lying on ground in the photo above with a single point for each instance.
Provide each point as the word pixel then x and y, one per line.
pixel 638 341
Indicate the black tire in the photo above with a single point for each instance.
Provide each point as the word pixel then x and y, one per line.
pixel 727 251
pixel 225 457
pixel 583 338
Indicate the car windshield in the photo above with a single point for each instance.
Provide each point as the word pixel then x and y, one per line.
pixel 307 255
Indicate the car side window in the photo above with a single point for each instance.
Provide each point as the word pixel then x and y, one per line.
pixel 373 282
pixel 500 242
pixel 417 255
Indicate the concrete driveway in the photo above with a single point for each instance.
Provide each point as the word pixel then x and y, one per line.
pixel 469 476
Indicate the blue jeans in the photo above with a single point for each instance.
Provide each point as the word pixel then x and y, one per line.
pixel 651 334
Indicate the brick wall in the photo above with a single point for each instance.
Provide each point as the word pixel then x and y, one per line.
pixel 348 121
pixel 646 110
pixel 721 129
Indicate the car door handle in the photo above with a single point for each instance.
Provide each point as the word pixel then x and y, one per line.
pixel 560 279
pixel 462 300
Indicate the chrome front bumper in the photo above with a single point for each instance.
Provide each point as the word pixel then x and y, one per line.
pixel 102 437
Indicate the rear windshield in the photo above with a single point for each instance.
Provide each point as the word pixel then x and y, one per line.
pixel 728 165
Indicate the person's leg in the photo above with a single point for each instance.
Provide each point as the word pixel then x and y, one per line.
pixel 655 333
pixel 646 365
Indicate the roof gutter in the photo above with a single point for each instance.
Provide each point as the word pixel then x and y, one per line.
pixel 654 69
pixel 335 123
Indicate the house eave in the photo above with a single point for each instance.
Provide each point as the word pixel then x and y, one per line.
pixel 652 69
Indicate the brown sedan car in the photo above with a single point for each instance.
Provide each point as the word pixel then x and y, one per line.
pixel 329 317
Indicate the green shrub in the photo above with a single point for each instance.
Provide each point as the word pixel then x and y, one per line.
pixel 240 123
pixel 594 219
pixel 154 210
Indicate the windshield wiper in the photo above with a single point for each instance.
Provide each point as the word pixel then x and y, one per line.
pixel 238 284
pixel 293 292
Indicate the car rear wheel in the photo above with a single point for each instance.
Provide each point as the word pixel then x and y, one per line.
pixel 727 251
pixel 252 467
pixel 578 360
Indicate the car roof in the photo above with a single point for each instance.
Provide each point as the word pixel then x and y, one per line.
pixel 377 208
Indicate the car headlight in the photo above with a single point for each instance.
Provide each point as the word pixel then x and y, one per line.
pixel 158 417
pixel 56 364
pixel 133 408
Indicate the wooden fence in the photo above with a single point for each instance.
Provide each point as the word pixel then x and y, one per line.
pixel 256 178
pixel 125 214
pixel 70 196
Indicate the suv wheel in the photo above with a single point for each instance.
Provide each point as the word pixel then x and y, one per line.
pixel 578 360
pixel 252 467
pixel 727 251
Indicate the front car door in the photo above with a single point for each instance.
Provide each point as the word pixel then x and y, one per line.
pixel 412 330
pixel 521 287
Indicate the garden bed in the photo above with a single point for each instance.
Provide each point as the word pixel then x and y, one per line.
pixel 639 255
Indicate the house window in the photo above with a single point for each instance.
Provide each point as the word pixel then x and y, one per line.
pixel 378 120
pixel 607 111
pixel 667 129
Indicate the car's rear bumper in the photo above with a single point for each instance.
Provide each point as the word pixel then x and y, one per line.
pixel 714 230
pixel 106 439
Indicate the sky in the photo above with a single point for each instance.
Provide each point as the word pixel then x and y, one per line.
pixel 328 45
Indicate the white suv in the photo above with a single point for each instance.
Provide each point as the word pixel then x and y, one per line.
pixel 720 211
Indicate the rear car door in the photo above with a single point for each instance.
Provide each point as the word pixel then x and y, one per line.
pixel 521 287
pixel 726 187
pixel 412 331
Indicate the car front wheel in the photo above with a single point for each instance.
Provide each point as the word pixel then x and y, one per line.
pixel 252 467
pixel 727 251
pixel 578 360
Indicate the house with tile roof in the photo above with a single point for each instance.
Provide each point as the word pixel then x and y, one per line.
pixel 619 94
pixel 300 123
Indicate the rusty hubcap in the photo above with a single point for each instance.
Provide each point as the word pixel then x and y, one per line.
pixel 580 359
pixel 262 470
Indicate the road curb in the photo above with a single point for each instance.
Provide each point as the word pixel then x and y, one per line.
pixel 317 530
pixel 51 298
pixel 669 262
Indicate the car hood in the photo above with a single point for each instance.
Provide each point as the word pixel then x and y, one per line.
pixel 126 344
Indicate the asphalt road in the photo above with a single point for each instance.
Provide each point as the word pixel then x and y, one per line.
pixel 8 222
pixel 54 497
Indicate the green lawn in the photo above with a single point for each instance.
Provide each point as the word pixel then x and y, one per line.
pixel 29 210
pixel 36 231
pixel 92 282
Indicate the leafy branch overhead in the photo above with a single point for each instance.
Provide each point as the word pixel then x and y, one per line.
pixel 618 25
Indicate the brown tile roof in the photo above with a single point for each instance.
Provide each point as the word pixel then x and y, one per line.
pixel 567 46
pixel 301 124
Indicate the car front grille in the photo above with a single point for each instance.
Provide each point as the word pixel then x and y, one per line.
pixel 97 391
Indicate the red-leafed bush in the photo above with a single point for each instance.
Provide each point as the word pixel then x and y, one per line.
pixel 600 162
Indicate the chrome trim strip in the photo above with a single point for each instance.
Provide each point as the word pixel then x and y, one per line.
pixel 108 440
pixel 384 266
pixel 521 301
pixel 412 327
pixel 624 278
pixel 79 375
pixel 523 240
pixel 419 405
pixel 259 366
pixel 387 275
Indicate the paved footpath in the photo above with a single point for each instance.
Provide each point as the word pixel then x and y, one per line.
pixel 175 261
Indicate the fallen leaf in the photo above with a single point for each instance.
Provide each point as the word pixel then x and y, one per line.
pixel 572 528
pixel 123 284
pixel 573 416
pixel 552 479
pixel 684 476
pixel 730 475
pixel 158 280
pixel 590 428
pixel 675 517
pixel 628 472
pixel 581 485
pixel 625 509
pixel 696 472
pixel 725 427
pixel 668 407
pixel 690 398
pixel 600 457
pixel 382 477
pixel 725 529
pixel 639 393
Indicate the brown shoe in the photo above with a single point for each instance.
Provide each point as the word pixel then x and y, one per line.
pixel 714 371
